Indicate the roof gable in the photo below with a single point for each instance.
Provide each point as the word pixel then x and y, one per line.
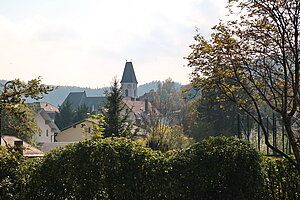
pixel 46 106
pixel 50 121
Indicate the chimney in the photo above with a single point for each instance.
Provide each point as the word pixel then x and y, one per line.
pixel 19 146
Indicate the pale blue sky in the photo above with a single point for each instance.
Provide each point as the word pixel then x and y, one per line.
pixel 87 42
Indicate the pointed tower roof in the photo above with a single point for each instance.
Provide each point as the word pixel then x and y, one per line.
pixel 128 74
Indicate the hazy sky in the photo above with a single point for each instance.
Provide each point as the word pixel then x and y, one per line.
pixel 87 42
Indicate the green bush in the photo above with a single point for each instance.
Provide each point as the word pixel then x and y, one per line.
pixel 11 163
pixel 97 169
pixel 119 168
pixel 282 179
pixel 217 168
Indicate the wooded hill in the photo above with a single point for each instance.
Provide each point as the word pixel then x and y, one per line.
pixel 57 96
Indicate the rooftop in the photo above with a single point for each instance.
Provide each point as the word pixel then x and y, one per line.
pixel 128 74
pixel 29 151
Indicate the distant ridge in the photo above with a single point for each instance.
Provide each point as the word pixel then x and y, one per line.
pixel 57 96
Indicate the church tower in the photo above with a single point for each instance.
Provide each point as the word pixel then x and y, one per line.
pixel 129 82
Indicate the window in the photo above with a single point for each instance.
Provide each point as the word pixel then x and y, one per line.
pixel 126 93
pixel 47 132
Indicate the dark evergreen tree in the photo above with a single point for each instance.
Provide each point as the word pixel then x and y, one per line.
pixel 65 117
pixel 81 112
pixel 116 114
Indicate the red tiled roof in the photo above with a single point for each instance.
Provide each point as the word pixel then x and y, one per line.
pixel 48 107
pixel 29 150
pixel 137 107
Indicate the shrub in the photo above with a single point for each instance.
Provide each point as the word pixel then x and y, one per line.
pixel 165 138
pixel 217 168
pixel 97 169
pixel 119 168
pixel 282 179
pixel 11 163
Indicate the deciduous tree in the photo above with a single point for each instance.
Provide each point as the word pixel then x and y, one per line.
pixel 17 118
pixel 167 100
pixel 254 62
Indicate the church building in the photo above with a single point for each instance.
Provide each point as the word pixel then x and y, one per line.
pixel 139 108
pixel 129 82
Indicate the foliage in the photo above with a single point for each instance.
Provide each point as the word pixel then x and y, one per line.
pixel 217 168
pixel 22 126
pixel 113 168
pixel 65 116
pixel 254 62
pixel 16 118
pixel 166 99
pixel 282 179
pixel 119 168
pixel 164 128
pixel 153 85
pixel 116 115
pixel 209 117
pixel 97 122
pixel 164 138
pixel 82 112
pixel 10 174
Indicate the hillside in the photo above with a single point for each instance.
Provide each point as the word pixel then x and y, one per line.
pixel 57 96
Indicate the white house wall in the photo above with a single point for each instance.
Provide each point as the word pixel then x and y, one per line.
pixel 43 137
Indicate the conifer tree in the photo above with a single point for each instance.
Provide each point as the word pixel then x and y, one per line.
pixel 116 115
pixel 81 112
pixel 65 117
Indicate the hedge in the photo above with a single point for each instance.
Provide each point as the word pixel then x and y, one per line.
pixel 118 168
pixel 281 178
pixel 97 169
pixel 11 175
pixel 218 168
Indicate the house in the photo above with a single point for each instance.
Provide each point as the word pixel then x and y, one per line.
pixel 45 114
pixel 49 108
pixel 128 87
pixel 139 108
pixel 75 132
pixel 80 98
pixel 29 151
pixel 44 117
pixel 48 129
pixel 129 91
